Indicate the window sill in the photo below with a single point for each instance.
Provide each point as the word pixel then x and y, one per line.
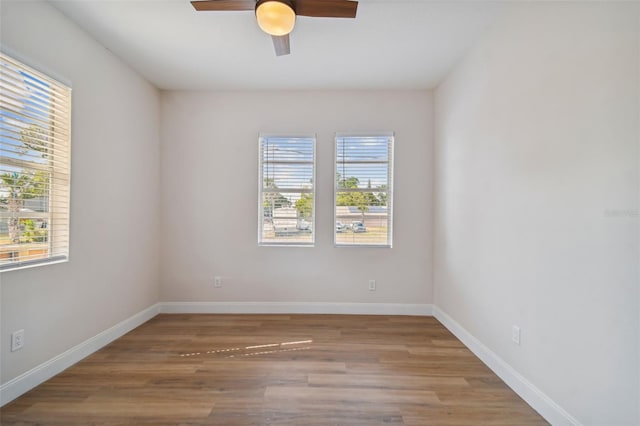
pixel 7 267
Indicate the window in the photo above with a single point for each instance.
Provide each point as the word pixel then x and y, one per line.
pixel 286 190
pixel 364 190
pixel 35 116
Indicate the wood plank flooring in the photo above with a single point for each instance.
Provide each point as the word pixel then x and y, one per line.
pixel 277 370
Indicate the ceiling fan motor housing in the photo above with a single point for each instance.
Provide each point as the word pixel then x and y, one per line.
pixel 287 2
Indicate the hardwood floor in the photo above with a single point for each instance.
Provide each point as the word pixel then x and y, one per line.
pixel 277 370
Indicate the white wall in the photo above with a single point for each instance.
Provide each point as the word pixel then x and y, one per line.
pixel 210 191
pixel 536 215
pixel 113 269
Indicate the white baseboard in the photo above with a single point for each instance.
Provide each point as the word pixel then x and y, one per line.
pixel 537 399
pixel 32 378
pixel 294 308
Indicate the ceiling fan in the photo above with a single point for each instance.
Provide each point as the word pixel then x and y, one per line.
pixel 277 17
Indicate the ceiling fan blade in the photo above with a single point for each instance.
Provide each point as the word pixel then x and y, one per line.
pixel 224 5
pixel 281 44
pixel 326 8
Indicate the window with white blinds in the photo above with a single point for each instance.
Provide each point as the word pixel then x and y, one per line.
pixel 286 203
pixel 35 128
pixel 364 190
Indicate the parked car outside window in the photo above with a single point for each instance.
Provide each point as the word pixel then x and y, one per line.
pixel 358 227
pixel 303 225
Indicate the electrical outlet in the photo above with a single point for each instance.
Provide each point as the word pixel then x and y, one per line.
pixel 515 334
pixel 17 340
pixel 217 281
pixel 372 285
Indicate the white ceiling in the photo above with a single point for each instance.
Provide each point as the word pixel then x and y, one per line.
pixel 390 44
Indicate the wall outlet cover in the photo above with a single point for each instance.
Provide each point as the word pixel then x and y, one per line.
pixel 17 340
pixel 515 334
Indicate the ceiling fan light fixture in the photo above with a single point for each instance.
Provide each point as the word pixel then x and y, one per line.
pixel 275 17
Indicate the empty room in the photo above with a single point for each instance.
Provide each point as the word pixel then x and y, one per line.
pixel 319 212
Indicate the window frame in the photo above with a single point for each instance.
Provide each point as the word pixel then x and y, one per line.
pixel 261 138
pixel 390 184
pixel 58 167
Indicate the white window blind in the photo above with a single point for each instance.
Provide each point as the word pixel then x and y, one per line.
pixel 35 128
pixel 364 190
pixel 286 203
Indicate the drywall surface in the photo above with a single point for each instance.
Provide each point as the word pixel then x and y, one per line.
pixel 536 219
pixel 210 198
pixel 113 268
